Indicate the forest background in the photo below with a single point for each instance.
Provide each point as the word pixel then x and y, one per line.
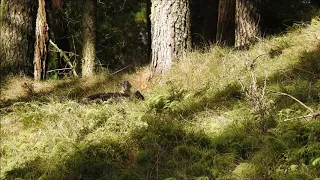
pixel 222 111
pixel 122 32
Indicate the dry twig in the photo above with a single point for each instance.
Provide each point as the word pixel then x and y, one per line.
pixel 65 57
pixel 297 100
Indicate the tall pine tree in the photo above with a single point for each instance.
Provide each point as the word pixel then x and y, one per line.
pixel 170 31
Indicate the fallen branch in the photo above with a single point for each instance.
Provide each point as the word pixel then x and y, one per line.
pixel 65 57
pixel 314 115
pixel 119 70
pixel 62 69
pixel 297 100
pixel 264 41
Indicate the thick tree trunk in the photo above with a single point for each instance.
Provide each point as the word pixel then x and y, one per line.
pixel 170 31
pixel 89 38
pixel 17 22
pixel 42 38
pixel 247 22
pixel 226 22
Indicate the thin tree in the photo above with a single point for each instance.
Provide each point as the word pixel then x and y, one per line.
pixel 247 22
pixel 17 36
pixel 42 38
pixel 170 31
pixel 226 22
pixel 89 38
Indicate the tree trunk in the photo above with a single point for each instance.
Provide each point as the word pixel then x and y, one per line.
pixel 170 31
pixel 42 38
pixel 247 22
pixel 226 22
pixel 17 22
pixel 89 38
pixel 148 11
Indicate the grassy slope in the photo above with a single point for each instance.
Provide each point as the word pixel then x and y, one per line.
pixel 196 121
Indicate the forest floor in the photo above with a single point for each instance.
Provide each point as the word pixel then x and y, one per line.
pixel 218 114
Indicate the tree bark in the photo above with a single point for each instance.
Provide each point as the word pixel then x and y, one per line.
pixel 226 22
pixel 42 39
pixel 170 31
pixel 17 22
pixel 89 38
pixel 247 22
pixel 148 11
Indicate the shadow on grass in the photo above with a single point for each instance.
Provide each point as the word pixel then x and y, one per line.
pixel 158 151
pixel 31 170
pixel 99 161
pixel 165 149
pixel 301 80
pixel 72 89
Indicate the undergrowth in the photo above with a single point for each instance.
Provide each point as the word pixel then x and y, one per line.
pixel 209 118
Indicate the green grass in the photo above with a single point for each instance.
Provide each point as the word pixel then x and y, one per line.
pixel 196 122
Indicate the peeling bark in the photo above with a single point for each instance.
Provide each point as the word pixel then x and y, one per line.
pixel 42 39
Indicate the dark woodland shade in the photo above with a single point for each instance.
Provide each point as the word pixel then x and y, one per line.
pixel 226 22
pixel 203 26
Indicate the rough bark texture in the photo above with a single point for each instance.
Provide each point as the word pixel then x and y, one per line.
pixel 247 22
pixel 89 38
pixel 17 22
pixel 42 38
pixel 226 22
pixel 170 31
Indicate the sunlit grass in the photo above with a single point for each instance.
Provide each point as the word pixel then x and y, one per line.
pixel 195 121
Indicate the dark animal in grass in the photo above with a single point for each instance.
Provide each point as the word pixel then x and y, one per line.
pixel 124 93
pixel 138 95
